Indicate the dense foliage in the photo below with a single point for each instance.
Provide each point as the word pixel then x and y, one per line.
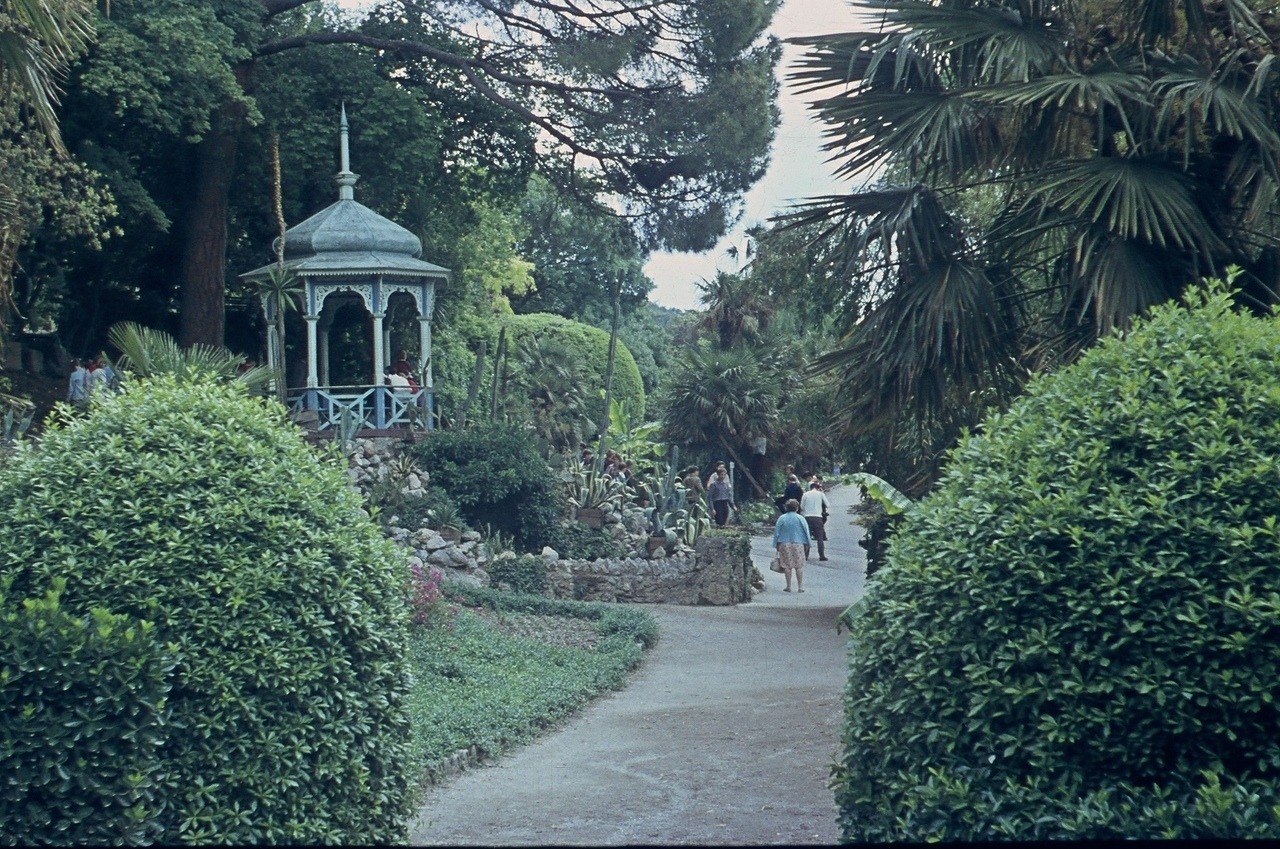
pixel 1077 634
pixel 200 509
pixel 496 478
pixel 577 541
pixel 556 374
pixel 1043 172
pixel 178 103
pixel 82 724
pixel 524 573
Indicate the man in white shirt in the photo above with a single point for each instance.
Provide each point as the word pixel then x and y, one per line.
pixel 814 506
pixel 399 383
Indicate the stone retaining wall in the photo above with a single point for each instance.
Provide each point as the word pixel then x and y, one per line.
pixel 717 571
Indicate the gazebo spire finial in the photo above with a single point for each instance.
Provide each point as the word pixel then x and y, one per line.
pixel 345 179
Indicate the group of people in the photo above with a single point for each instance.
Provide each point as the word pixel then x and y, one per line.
pixel 89 377
pixel 803 520
pixel 718 489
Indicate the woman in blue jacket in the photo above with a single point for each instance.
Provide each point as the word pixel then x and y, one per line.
pixel 791 540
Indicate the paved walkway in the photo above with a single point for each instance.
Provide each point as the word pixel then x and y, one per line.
pixel 726 735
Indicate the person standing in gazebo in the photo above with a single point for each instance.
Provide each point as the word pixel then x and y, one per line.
pixel 402 366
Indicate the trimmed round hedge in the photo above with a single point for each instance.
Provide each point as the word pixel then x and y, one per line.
pixel 198 508
pixel 592 345
pixel 1077 634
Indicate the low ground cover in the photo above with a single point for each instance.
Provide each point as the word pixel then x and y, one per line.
pixel 494 669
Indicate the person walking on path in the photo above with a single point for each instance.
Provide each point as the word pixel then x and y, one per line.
pixel 720 488
pixel 815 507
pixel 78 385
pixel 693 487
pixel 791 540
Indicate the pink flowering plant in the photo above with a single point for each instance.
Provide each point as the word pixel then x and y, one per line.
pixel 426 598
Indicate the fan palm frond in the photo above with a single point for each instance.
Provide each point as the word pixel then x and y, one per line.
pixel 1133 199
pixel 147 352
pixel 34 53
pixel 1054 169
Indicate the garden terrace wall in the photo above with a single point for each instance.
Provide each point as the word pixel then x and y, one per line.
pixel 716 572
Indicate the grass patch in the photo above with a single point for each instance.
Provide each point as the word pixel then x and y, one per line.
pixel 496 672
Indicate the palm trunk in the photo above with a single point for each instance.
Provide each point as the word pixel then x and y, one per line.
pixel 745 470
pixel 608 371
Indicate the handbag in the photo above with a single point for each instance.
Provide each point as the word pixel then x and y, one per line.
pixel 776 565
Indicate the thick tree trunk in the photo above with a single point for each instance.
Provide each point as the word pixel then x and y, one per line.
pixel 204 253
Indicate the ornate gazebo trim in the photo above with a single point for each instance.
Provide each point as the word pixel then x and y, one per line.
pixel 347 247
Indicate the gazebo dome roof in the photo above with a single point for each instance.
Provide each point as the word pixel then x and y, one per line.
pixel 348 239
pixel 347 226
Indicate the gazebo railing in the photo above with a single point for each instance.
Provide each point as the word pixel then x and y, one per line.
pixel 366 407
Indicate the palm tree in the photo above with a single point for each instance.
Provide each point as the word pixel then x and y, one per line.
pixel 282 292
pixel 543 385
pixel 146 352
pixel 737 307
pixel 38 39
pixel 724 399
pixel 1055 169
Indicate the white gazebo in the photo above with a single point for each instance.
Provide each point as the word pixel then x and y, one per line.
pixel 348 254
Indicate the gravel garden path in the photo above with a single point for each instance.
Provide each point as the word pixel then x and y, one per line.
pixel 726 734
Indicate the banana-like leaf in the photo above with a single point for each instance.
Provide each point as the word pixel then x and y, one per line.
pixel 894 502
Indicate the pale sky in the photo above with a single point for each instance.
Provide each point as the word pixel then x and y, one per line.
pixel 797 169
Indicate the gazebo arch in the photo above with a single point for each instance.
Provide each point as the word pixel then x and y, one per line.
pixel 348 253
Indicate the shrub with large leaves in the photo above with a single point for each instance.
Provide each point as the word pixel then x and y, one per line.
pixel 1078 632
pixel 198 508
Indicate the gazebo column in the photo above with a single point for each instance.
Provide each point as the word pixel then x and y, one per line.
pixel 424 363
pixel 313 377
pixel 268 313
pixel 322 350
pixel 379 351
pixel 379 364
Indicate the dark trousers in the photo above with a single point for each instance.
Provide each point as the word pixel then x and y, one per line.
pixel 819 532
pixel 721 509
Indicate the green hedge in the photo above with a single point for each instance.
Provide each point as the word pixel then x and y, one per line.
pixel 496 478
pixel 202 510
pixel 592 346
pixel 612 619
pixel 525 573
pixel 1077 635
pixel 82 721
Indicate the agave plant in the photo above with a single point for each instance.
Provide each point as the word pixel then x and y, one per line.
pixel 18 415
pixel 587 487
pixel 146 352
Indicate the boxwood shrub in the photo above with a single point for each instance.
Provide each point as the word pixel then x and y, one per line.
pixel 497 478
pixel 82 721
pixel 1077 634
pixel 201 510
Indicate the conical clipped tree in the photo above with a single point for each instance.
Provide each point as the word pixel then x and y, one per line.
pixel 192 505
pixel 1078 632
